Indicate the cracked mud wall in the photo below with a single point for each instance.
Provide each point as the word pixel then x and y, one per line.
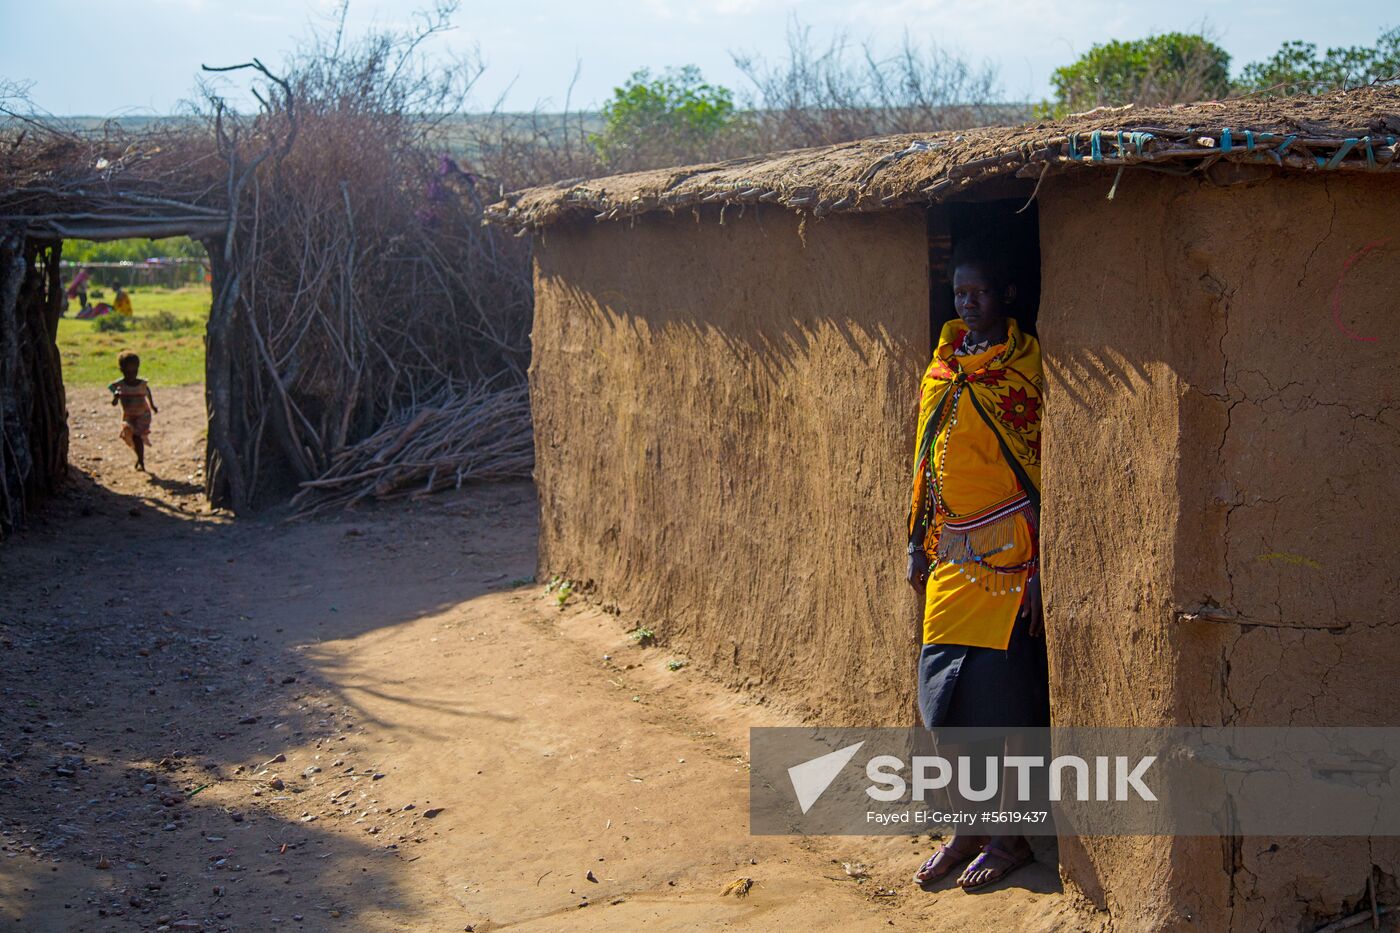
pixel 723 425
pixel 1221 501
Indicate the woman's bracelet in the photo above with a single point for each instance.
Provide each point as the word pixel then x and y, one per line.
pixel 914 548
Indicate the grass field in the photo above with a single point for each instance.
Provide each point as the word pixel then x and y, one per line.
pixel 167 330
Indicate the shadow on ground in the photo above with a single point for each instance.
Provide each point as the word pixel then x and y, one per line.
pixel 155 669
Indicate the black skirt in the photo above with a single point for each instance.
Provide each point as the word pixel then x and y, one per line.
pixel 965 687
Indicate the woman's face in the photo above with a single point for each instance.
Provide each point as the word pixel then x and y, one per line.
pixel 980 301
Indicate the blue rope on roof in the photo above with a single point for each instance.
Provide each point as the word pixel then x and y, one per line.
pixel 1139 140
pixel 1339 155
pixel 1254 144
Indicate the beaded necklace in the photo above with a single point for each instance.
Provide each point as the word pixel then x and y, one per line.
pixel 934 479
pixel 972 349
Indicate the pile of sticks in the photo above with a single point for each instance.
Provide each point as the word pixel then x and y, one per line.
pixel 355 281
pixel 459 435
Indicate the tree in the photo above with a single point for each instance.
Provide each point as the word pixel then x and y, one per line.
pixel 1296 69
pixel 1170 68
pixel 180 247
pixel 658 120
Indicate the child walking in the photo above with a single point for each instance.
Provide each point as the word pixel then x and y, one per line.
pixel 137 403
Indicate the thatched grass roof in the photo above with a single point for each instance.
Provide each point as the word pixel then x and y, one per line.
pixel 1345 131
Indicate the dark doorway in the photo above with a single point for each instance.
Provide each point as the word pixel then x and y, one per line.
pixel 1007 215
pixel 1014 222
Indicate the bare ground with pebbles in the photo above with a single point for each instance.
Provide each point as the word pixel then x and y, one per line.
pixel 375 722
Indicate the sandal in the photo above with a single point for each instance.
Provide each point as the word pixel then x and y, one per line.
pixel 942 862
pixel 989 852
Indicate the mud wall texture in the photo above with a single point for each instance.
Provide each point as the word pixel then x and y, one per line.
pixel 1221 502
pixel 723 425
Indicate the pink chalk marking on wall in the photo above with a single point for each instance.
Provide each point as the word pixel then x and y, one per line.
pixel 1352 260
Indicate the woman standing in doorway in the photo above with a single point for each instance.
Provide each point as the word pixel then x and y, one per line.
pixel 974 550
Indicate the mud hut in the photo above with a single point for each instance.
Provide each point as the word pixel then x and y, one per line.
pixel 724 379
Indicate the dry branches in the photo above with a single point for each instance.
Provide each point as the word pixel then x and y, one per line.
pixel 353 276
pixel 823 95
pixel 108 184
pixel 358 276
pixel 33 429
pixel 456 436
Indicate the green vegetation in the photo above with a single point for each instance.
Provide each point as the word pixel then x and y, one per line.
pixel 561 588
pixel 1296 69
pixel 1165 68
pixel 1177 67
pixel 167 329
pixel 652 116
pixel 180 247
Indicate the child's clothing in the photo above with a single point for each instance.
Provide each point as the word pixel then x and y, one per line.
pixel 136 410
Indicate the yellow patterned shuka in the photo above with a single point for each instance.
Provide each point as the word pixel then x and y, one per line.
pixel 976 485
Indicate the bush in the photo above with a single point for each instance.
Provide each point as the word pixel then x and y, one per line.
pixel 134 250
pixel 815 94
pixel 164 320
pixel 112 323
pixel 1170 68
pixel 1296 69
pixel 653 120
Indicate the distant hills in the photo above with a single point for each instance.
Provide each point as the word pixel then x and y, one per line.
pixel 135 124
pixel 460 133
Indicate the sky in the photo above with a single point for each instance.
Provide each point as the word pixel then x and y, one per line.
pixel 139 57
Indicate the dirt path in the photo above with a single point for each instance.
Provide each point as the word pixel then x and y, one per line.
pixel 374 722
